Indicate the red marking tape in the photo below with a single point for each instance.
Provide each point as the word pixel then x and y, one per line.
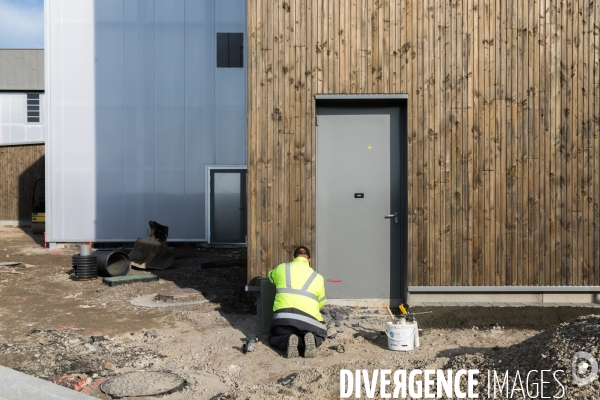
pixel 335 280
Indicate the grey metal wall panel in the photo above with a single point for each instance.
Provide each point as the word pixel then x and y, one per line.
pixel 200 61
pixel 230 94
pixel 21 69
pixel 141 105
pixel 139 201
pixel 109 123
pixel 170 114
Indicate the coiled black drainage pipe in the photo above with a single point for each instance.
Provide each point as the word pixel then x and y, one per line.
pixel 113 263
pixel 86 267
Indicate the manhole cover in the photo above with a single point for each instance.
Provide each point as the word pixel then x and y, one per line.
pixel 136 384
pixel 177 295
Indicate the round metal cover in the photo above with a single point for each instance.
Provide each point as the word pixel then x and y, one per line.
pixel 136 384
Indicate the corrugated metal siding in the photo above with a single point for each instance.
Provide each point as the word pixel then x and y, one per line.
pixel 21 69
pixel 138 109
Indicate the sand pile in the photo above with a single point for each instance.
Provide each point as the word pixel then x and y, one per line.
pixel 553 350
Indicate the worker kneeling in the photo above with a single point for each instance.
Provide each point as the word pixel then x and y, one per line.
pixel 300 294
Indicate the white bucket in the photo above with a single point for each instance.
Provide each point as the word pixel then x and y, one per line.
pixel 402 337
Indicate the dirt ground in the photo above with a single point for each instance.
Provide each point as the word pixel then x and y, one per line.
pixel 78 334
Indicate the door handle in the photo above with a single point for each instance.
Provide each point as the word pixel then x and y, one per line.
pixel 390 216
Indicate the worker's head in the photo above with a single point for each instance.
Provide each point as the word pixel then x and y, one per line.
pixel 302 251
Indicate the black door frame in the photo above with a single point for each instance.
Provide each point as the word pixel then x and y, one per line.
pixel 243 201
pixel 399 101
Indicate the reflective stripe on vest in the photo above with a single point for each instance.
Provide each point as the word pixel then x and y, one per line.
pixel 299 317
pixel 301 292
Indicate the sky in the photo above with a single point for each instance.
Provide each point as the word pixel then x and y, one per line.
pixel 22 24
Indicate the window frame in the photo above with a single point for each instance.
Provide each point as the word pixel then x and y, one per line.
pixel 221 36
pixel 33 104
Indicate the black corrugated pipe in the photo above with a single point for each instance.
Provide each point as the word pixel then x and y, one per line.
pixel 113 263
pixel 86 267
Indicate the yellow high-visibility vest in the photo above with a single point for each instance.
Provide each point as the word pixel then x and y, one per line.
pixel 298 286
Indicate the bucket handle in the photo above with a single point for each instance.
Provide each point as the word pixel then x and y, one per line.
pixel 388 335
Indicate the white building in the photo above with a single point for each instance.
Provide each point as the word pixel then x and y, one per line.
pixel 22 133
pixel 146 100
pixel 21 96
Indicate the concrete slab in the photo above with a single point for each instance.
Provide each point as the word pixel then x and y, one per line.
pixel 16 385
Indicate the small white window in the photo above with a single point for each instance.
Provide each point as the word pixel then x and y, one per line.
pixel 34 112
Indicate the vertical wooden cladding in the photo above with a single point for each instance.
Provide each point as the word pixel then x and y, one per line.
pixel 20 166
pixel 504 128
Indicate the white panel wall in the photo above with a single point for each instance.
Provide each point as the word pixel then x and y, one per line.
pixel 14 128
pixel 71 144
pixel 138 109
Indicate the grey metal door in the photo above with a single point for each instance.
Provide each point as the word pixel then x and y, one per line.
pixel 228 206
pixel 359 215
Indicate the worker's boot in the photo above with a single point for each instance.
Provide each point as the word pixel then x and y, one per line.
pixel 310 347
pixel 292 347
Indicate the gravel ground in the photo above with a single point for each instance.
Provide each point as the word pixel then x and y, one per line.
pixel 79 334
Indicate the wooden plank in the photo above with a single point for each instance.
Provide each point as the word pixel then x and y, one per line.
pixel 502 145
pixel 544 143
pixel 428 142
pixel 595 120
pixel 277 116
pixel 565 132
pixel 412 143
pixel 364 72
pixel 436 161
pixel 591 137
pixel 254 265
pixel 320 45
pixel 456 172
pixel 557 155
pixel 334 38
pixel 341 45
pixel 295 139
pixel 570 174
pixel 384 35
pixel 480 154
pixel 420 140
pixel 533 143
pixel 463 133
pixel 512 199
pixel 354 40
pixel 476 220
pixel 586 60
pixel 579 178
pixel 370 43
pixel 522 160
pixel 271 77
pixel 308 206
pixel 489 144
pixel 394 35
pixel 447 147
pixel 555 104
pixel 403 44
